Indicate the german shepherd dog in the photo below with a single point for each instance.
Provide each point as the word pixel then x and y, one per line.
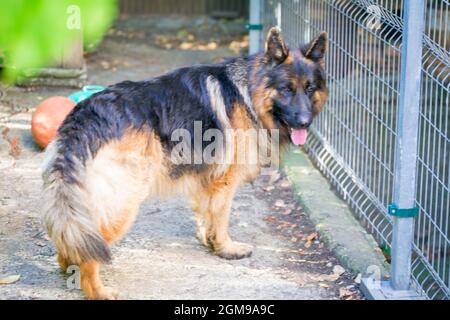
pixel 114 149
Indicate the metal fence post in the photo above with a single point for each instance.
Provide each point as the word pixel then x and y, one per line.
pixel 402 209
pixel 406 151
pixel 255 26
pixel 278 14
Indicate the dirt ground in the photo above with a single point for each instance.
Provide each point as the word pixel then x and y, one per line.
pixel 160 258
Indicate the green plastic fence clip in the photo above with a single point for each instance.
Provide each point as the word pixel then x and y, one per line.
pixel 254 26
pixel 395 211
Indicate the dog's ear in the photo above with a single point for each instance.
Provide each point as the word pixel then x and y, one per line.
pixel 316 49
pixel 276 49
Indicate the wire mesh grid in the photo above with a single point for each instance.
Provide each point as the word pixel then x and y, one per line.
pixel 431 263
pixel 353 141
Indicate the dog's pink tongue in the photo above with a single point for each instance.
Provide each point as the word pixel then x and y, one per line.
pixel 298 136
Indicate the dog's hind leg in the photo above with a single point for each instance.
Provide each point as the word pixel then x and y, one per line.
pixel 213 208
pixel 117 228
pixel 111 232
pixel 63 262
pixel 92 284
pixel 117 184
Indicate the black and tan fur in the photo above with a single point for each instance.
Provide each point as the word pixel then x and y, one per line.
pixel 113 150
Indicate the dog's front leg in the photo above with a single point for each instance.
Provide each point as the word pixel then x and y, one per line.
pixel 213 208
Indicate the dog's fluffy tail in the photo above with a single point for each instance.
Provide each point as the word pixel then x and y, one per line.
pixel 70 224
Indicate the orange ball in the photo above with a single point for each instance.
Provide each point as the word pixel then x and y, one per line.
pixel 47 118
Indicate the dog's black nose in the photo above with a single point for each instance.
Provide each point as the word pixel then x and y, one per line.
pixel 304 121
pixel 305 124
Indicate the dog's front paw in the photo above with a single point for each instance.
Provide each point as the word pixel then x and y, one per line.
pixel 234 250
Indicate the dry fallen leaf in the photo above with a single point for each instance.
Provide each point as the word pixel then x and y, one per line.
pixel 274 177
pixel 327 278
pixel 5 133
pixel 311 237
pixel 339 270
pixel 331 277
pixel 345 293
pixel 14 144
pixel 285 184
pixel 15 149
pixel 269 218
pixel 280 204
pixel 211 46
pixel 10 279
pixel 186 46
pixel 105 64
pixel 40 243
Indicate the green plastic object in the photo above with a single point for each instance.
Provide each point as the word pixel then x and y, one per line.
pixel 254 26
pixel 85 93
pixel 395 211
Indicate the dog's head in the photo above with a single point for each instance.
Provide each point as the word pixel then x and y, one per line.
pixel 294 85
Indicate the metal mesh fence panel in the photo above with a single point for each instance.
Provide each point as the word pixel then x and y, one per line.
pixel 353 141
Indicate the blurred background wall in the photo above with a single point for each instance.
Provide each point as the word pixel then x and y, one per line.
pixel 215 8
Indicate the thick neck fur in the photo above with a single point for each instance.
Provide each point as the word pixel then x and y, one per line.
pixel 247 73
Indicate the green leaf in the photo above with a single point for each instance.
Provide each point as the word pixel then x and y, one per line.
pixel 33 33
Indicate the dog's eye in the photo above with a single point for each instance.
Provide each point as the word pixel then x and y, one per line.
pixel 288 89
pixel 309 88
